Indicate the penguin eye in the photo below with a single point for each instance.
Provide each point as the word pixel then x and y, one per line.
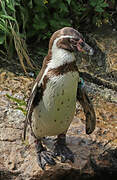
pixel 74 40
pixel 82 44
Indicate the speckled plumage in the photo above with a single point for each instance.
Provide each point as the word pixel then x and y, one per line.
pixel 55 111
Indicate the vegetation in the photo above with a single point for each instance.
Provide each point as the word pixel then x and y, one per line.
pixel 24 21
pixel 20 104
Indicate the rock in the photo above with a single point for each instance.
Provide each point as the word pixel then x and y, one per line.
pixel 101 68
pixel 95 154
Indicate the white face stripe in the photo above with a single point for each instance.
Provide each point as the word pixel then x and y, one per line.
pixel 59 56
pixel 61 37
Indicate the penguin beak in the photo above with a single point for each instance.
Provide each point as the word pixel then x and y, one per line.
pixel 84 47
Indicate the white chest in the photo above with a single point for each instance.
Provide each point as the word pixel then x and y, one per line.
pixel 56 110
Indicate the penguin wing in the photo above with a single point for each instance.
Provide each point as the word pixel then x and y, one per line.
pixel 88 108
pixel 35 97
pixel 30 106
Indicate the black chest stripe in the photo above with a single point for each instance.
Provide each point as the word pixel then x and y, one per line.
pixel 38 96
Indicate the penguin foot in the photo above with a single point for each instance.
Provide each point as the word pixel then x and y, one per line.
pixel 62 150
pixel 44 157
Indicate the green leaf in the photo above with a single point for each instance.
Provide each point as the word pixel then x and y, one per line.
pixel 3 6
pixel 2 39
pixel 69 1
pixel 3 28
pixel 22 109
pixel 8 17
pixel 93 2
pixel 18 101
pixel 11 8
pixel 11 5
pixel 53 1
pixel 63 8
pixel 104 5
pixel 65 22
pixel 30 4
pixel 3 21
pixel 99 9
pixel 45 1
pixel 7 1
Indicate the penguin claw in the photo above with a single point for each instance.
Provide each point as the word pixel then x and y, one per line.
pixel 64 152
pixel 45 157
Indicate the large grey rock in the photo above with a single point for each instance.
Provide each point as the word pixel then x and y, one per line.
pixel 94 154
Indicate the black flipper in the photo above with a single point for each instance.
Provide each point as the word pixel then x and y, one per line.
pixel 88 108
